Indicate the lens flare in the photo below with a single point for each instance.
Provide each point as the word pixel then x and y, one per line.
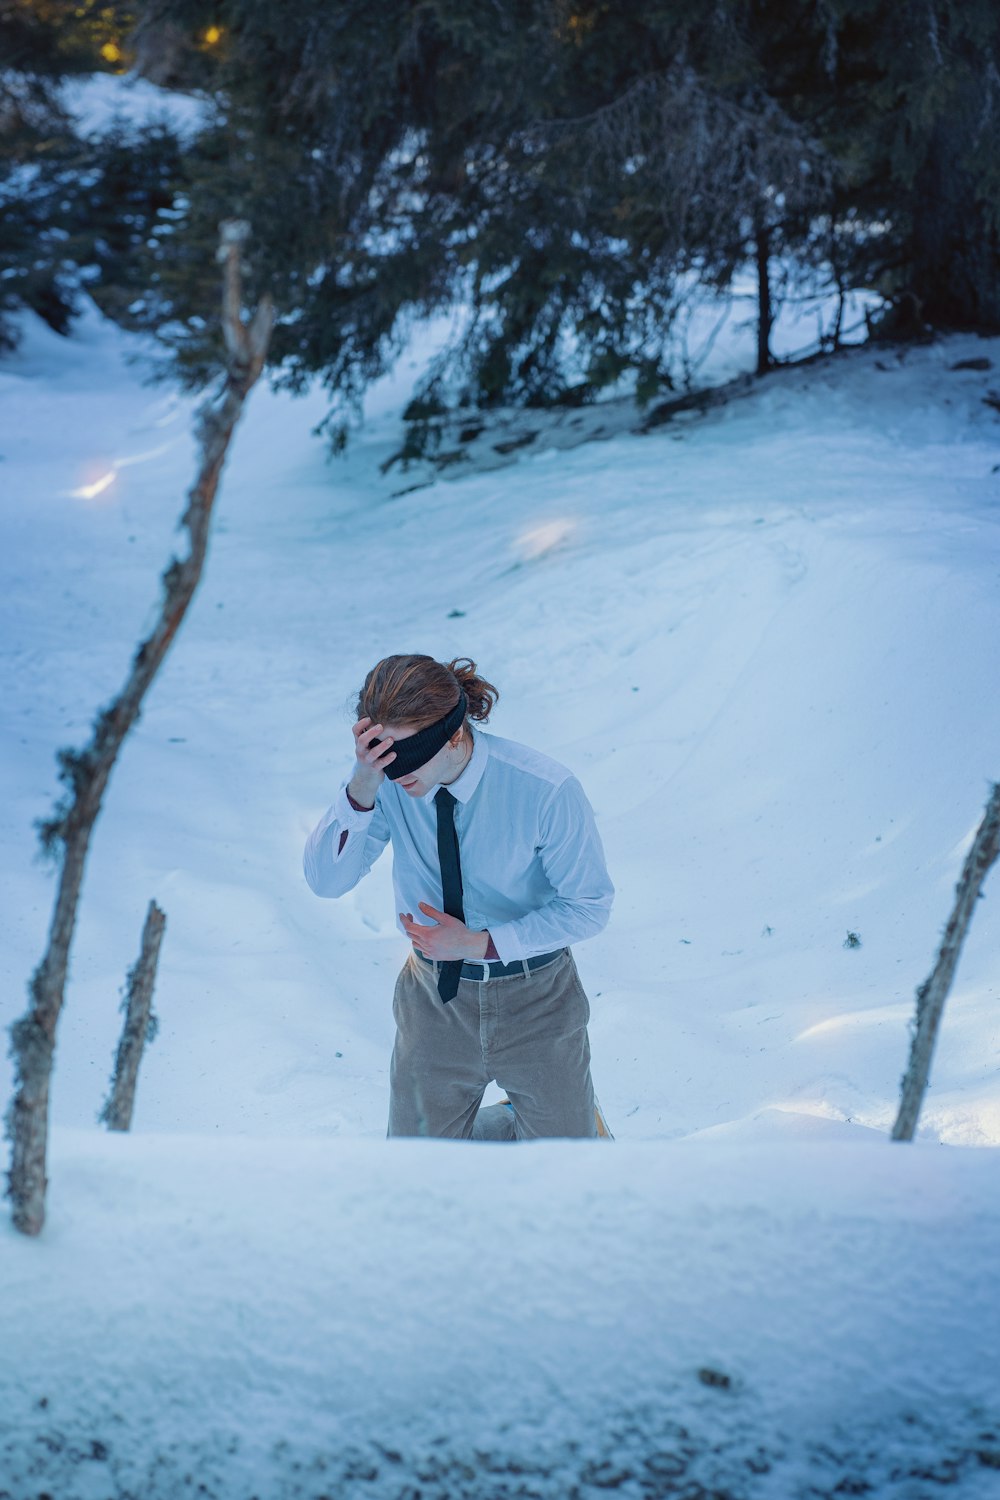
pixel 91 491
pixel 542 539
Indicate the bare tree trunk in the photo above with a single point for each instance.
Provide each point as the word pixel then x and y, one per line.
pixel 934 991
pixel 841 300
pixel 765 314
pixel 140 1023
pixel 86 772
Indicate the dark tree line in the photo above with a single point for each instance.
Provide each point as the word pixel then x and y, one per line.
pixel 74 213
pixel 563 170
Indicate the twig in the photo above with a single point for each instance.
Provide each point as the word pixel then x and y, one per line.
pixel 934 991
pixel 140 1023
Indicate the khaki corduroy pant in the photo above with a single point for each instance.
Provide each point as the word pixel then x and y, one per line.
pixel 526 1031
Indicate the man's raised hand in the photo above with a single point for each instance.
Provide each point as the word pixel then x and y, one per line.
pixel 370 761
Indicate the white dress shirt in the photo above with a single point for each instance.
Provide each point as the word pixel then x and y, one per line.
pixel 533 869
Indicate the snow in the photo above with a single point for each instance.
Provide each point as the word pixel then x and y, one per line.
pixel 729 620
pixel 766 640
pixel 244 1303
pixel 101 102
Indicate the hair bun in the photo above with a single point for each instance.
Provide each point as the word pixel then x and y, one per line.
pixel 481 695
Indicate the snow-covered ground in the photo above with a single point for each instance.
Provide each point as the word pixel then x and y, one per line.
pixel 766 639
pixel 246 1317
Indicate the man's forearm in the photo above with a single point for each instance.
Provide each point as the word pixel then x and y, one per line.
pixel 556 924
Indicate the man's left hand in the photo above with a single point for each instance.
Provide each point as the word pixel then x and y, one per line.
pixel 447 939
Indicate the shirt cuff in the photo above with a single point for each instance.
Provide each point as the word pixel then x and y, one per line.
pixel 505 940
pixel 348 814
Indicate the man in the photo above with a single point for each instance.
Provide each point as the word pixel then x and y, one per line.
pixel 497 868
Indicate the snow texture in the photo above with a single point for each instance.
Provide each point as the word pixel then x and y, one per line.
pixel 766 640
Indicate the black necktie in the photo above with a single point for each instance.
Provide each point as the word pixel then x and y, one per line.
pixel 449 971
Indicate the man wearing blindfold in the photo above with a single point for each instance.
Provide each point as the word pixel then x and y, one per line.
pixel 497 869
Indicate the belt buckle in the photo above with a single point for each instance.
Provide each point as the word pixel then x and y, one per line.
pixel 484 965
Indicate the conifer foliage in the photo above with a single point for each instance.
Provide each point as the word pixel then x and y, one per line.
pixel 73 212
pixel 563 171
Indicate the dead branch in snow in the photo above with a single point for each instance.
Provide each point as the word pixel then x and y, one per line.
pixel 86 772
pixel 934 991
pixel 140 1023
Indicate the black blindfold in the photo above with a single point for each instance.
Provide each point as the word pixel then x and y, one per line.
pixel 419 748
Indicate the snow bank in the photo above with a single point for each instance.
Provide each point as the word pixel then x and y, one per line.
pixel 242 1317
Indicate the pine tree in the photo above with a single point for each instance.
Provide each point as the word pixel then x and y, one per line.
pixel 44 226
pixel 905 96
pixel 563 170
pixel 557 169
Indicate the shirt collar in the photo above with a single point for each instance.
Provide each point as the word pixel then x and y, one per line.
pixel 463 788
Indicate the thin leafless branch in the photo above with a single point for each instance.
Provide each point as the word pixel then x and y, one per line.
pixel 934 991
pixel 140 1023
pixel 86 771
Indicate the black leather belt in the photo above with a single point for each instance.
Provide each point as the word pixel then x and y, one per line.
pixel 484 969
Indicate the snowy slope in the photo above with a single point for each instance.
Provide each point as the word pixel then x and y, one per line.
pixel 766 640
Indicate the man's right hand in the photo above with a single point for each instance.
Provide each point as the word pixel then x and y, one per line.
pixel 370 761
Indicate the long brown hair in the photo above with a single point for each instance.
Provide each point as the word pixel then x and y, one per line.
pixel 417 690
